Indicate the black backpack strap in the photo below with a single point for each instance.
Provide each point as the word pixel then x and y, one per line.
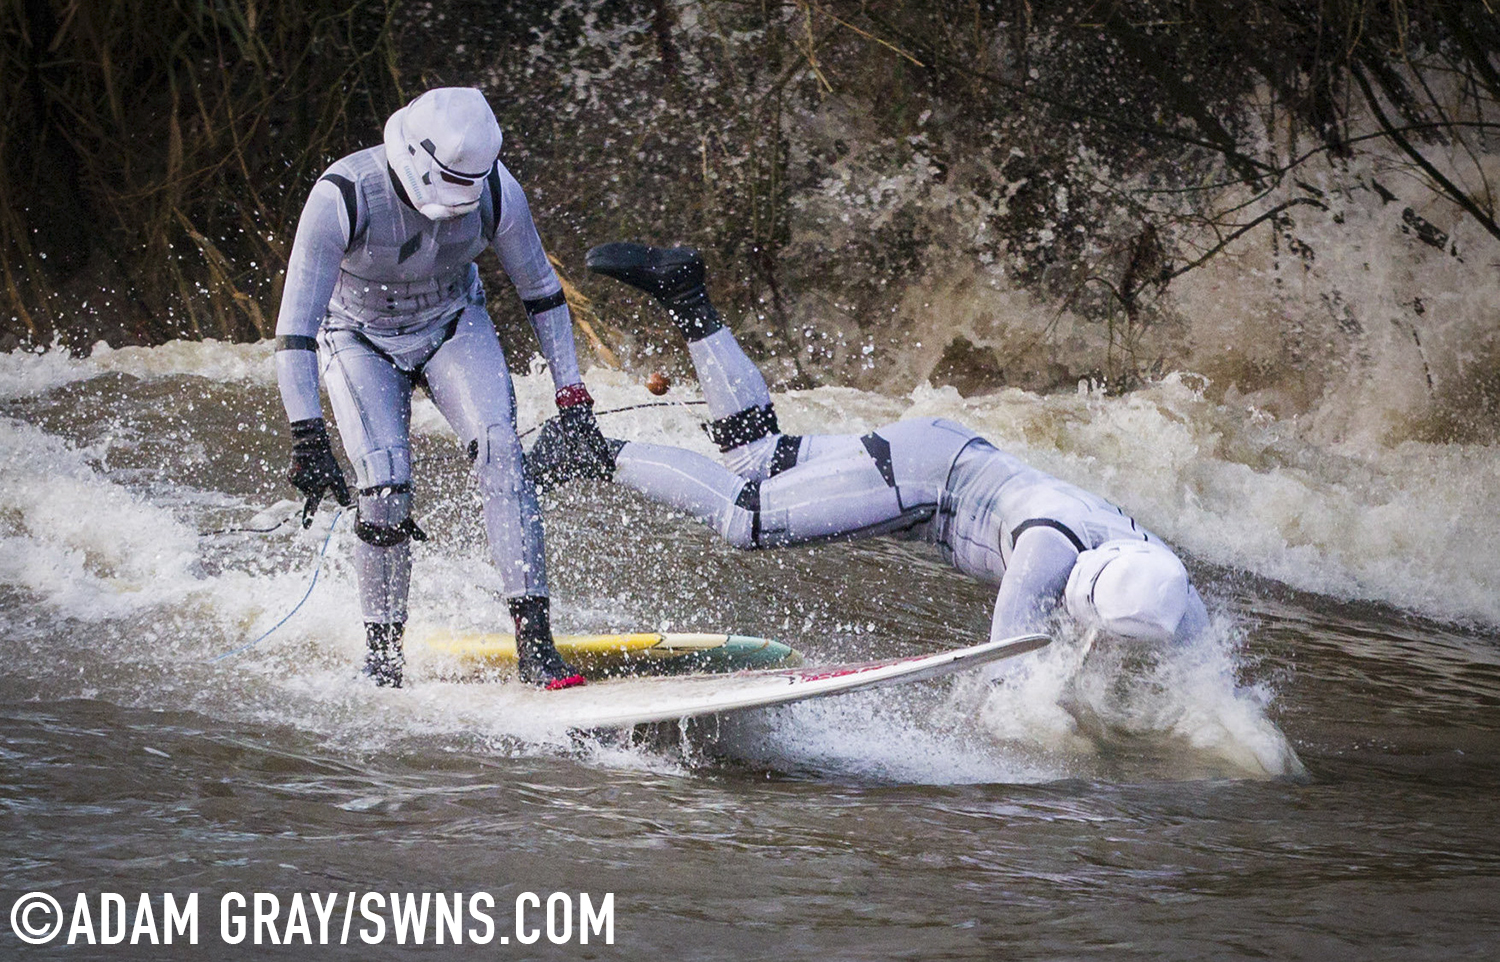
pixel 492 181
pixel 351 204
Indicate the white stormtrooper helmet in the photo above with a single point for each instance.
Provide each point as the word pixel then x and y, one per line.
pixel 1132 589
pixel 441 146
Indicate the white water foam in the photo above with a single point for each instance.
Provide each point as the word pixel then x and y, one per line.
pixel 1102 711
pixel 24 373
pixel 78 542
pixel 1228 486
pixel 1105 705
pixel 1412 524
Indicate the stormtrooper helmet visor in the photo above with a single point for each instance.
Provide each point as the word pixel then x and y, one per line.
pixel 442 146
pixel 1132 589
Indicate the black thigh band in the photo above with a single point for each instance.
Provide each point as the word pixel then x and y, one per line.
pixel 742 427
pixel 788 447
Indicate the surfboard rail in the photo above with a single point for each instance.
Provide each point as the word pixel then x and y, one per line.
pixel 636 701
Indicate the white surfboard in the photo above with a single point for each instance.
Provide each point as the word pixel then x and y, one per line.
pixel 639 701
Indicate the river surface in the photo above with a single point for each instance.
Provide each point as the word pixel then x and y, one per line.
pixel 1316 781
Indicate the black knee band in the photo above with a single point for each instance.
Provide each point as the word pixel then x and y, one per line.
pixel 742 427
pixel 389 535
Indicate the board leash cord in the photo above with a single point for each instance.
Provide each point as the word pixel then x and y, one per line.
pixel 317 569
pixel 629 407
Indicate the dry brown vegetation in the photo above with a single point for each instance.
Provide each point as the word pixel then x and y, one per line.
pixel 155 155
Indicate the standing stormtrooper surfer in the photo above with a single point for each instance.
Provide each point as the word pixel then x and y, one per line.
pixel 1044 542
pixel 382 295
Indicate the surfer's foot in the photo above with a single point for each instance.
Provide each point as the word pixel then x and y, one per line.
pixel 672 275
pixel 536 653
pixel 385 659
pixel 541 665
pixel 665 273
pixel 558 457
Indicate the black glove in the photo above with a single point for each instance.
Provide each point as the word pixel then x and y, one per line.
pixel 590 451
pixel 314 470
pixel 570 445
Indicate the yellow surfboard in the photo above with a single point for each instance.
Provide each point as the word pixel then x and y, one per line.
pixel 619 656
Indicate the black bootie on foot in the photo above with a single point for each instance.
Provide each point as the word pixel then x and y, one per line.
pixel 672 275
pixel 536 654
pixel 385 660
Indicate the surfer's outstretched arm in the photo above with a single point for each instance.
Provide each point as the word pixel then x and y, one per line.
pixel 1033 582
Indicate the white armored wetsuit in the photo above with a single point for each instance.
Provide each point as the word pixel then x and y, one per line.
pixel 929 479
pixel 389 299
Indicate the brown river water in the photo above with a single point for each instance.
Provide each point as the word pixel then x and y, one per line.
pixel 1319 782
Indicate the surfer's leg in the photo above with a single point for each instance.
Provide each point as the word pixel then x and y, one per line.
pixel 742 421
pixel 689 482
pixel 830 498
pixel 470 383
pixel 372 407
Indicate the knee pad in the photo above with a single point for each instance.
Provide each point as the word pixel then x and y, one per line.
pixel 1133 589
pixel 385 516
pixel 740 525
pixel 496 444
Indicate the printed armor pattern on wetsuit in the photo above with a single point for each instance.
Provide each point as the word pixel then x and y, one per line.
pixel 393 298
pixel 926 479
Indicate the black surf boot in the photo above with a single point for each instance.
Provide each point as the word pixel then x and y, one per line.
pixel 385 659
pixel 536 654
pixel 672 275
pixel 560 455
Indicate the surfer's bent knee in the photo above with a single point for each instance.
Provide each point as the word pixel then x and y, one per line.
pixel 741 528
pixel 496 444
